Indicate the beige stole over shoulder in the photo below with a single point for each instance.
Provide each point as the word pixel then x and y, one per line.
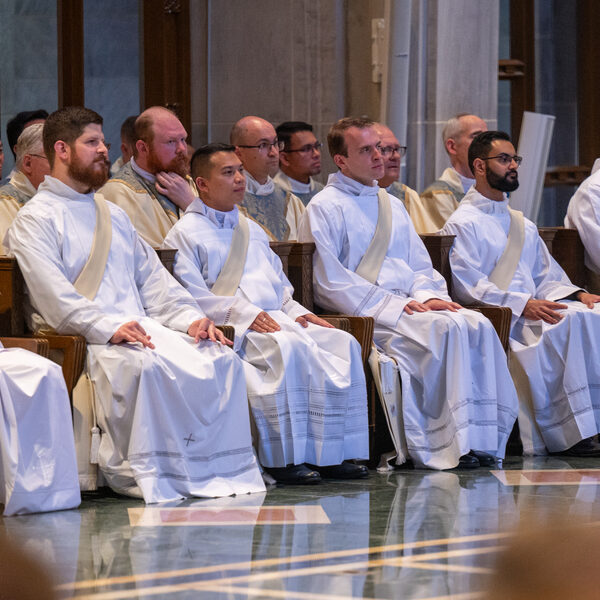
pixel 90 278
pixel 370 263
pixel 230 276
pixel 505 268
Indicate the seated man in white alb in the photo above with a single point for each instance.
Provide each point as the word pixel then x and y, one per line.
pixel 583 214
pixel 441 198
pixel 458 401
pixel 38 471
pixel 128 140
pixel 30 169
pixel 171 403
pixel 305 380
pixel 299 160
pixel 392 153
pixel 275 209
pixel 498 257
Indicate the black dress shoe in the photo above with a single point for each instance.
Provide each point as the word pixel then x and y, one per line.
pixel 294 474
pixel 347 470
pixel 466 461
pixel 587 448
pixel 485 459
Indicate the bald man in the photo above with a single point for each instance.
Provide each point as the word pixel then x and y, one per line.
pixel 441 198
pixel 277 210
pixel 154 188
pixel 392 153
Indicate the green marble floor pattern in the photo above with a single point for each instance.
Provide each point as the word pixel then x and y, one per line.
pixel 406 534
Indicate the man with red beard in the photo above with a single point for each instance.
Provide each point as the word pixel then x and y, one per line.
pixel 171 403
pixel 154 188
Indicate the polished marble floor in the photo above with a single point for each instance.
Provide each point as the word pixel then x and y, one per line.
pixel 407 534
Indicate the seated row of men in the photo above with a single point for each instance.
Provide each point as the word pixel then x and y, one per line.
pixel 170 395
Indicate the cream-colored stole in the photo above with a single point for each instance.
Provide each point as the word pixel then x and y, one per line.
pixel 230 276
pixel 384 368
pixel 505 268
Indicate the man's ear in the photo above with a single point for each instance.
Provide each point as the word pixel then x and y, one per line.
pixel 283 159
pixel 478 166
pixel 450 146
pixel 62 150
pixel 26 164
pixel 141 147
pixel 201 184
pixel 339 160
pixel 238 153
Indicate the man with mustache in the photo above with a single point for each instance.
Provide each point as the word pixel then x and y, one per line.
pixel 154 188
pixel 392 153
pixel 498 257
pixel 278 211
pixel 170 400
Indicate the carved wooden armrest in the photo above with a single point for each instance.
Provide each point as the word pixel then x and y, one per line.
pixel 338 322
pixel 69 351
pixel 37 346
pixel 362 329
pixel 228 331
pixel 500 316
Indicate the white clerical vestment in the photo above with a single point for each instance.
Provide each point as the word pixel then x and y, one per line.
pixel 38 471
pixel 583 214
pixel 306 386
pixel 556 367
pixel 457 394
pixel 174 420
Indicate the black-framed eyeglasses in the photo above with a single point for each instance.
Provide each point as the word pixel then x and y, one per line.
pixel 265 146
pixel 307 148
pixel 385 150
pixel 506 159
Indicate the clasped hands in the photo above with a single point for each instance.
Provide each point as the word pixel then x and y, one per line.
pixel 202 329
pixel 264 323
pixel 545 310
pixel 432 304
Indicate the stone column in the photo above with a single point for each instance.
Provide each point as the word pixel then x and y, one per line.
pixel 454 68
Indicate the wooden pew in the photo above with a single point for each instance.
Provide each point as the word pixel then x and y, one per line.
pixel 566 248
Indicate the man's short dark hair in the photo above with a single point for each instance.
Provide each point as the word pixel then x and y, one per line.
pixel 128 130
pixel 482 144
pixel 336 141
pixel 201 159
pixel 286 130
pixel 14 128
pixel 67 124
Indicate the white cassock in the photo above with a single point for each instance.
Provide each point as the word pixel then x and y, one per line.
pixel 583 214
pixel 306 386
pixel 38 470
pixel 174 419
pixel 457 394
pixel 560 363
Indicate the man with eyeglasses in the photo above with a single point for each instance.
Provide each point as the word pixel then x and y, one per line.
pixel 392 153
pixel 30 169
pixel 442 197
pixel 299 160
pixel 277 210
pixel 154 188
pixel 498 257
pixel 458 403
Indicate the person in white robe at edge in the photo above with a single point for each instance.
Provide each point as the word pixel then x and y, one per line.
pixel 170 396
pixel 458 401
pixel 583 214
pixel 555 352
pixel 38 469
pixel 306 384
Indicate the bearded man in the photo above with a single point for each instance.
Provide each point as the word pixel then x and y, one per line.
pixel 154 187
pixel 170 402
pixel 498 257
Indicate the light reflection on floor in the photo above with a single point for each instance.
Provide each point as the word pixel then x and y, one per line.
pixel 406 534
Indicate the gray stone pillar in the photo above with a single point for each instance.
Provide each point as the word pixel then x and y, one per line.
pixel 454 68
